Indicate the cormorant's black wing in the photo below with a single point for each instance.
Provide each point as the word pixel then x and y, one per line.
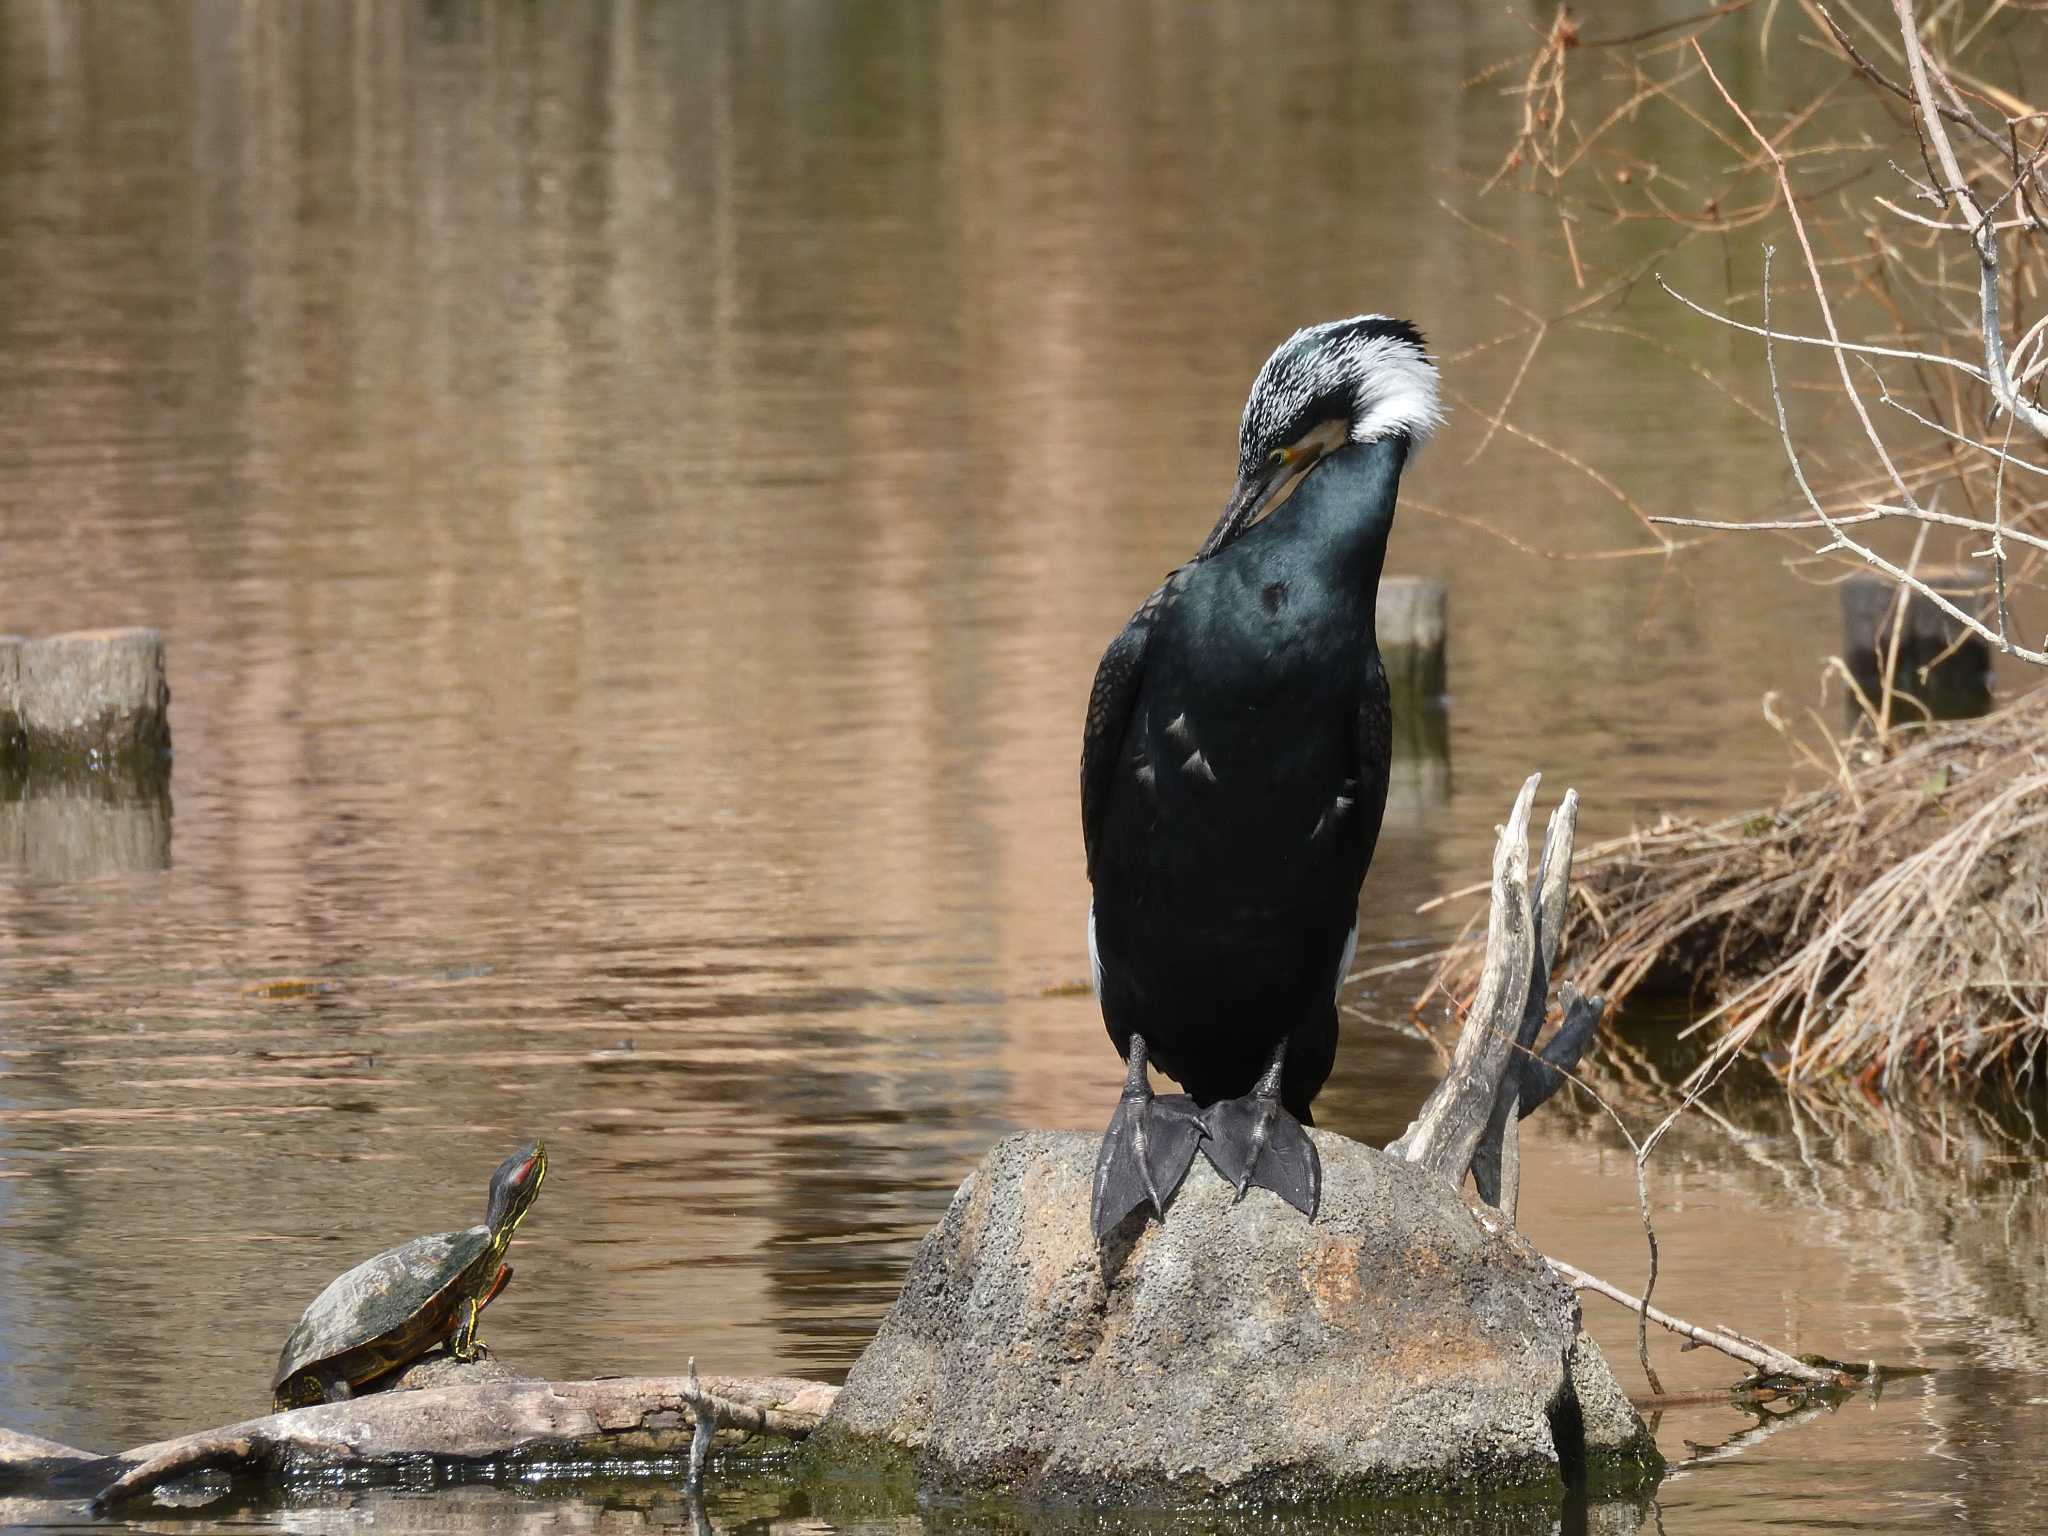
pixel 1375 752
pixel 1109 715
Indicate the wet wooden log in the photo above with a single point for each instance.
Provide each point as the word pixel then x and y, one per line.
pixel 85 742
pixel 95 700
pixel 13 740
pixel 1877 613
pixel 609 1418
pixel 1498 1073
pixel 26 1460
pixel 1411 622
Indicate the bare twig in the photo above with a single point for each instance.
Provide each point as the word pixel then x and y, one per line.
pixel 1905 354
pixel 1774 1362
pixel 706 1414
pixel 1876 513
pixel 1834 523
pixel 1982 233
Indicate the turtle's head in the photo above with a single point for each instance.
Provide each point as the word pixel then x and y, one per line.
pixel 513 1187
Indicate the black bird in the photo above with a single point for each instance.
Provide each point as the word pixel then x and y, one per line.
pixel 1233 775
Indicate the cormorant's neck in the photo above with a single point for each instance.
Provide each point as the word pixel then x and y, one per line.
pixel 1346 505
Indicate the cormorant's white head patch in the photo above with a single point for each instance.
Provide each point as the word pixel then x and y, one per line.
pixel 1371 370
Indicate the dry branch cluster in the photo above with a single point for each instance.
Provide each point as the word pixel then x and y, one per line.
pixel 1910 177
pixel 1892 923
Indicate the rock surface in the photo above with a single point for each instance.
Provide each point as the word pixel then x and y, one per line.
pixel 1392 1346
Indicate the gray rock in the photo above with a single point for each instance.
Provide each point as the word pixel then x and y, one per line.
pixel 1391 1347
pixel 1614 1431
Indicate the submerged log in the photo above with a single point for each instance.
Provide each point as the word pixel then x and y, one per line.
pixel 26 1460
pixel 608 1419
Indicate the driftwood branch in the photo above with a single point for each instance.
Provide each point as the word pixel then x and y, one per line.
pixel 1983 233
pixel 1497 1161
pixel 612 1417
pixel 1772 1362
pixel 1447 1130
pixel 20 1450
pixel 1497 1074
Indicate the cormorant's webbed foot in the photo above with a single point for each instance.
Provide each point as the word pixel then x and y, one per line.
pixel 1147 1150
pixel 1253 1140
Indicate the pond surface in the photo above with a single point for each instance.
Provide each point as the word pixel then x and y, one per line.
pixel 634 495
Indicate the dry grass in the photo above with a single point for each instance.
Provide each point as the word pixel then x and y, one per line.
pixel 1893 925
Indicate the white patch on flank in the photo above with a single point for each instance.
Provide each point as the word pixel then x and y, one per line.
pixel 1343 965
pixel 1337 810
pixel 1199 764
pixel 1178 733
pixel 1095 955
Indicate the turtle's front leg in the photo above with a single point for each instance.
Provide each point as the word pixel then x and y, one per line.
pixel 466 1345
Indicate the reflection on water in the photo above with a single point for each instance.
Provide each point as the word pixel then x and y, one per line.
pixel 785 1499
pixel 1910 1233
pixel 83 829
pixel 634 495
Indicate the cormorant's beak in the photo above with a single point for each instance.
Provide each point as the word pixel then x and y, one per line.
pixel 1254 490
pixel 1260 490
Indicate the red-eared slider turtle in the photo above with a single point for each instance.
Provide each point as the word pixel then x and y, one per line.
pixel 390 1310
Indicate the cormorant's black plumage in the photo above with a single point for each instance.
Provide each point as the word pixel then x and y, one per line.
pixel 1233 776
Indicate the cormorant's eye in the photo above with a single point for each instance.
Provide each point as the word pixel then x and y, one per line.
pixel 1277 456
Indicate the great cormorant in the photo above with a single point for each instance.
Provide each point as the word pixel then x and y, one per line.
pixel 1233 775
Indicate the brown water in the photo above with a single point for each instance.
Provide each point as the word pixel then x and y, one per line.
pixel 634 495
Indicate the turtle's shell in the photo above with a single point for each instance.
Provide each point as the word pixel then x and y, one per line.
pixel 383 1313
